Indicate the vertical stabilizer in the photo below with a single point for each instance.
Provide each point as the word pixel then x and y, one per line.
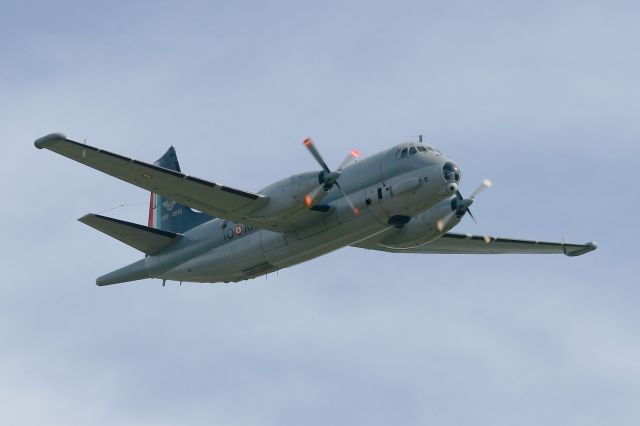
pixel 168 215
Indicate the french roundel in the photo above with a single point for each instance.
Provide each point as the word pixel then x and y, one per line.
pixel 238 229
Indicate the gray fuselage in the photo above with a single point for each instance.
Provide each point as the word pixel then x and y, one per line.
pixel 393 185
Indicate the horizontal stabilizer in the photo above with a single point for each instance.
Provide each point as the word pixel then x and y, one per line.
pixel 147 240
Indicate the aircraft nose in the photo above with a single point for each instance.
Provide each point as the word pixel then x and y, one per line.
pixel 451 171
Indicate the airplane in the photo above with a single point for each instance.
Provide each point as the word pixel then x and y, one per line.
pixel 405 199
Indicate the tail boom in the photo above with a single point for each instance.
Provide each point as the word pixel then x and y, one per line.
pixel 133 272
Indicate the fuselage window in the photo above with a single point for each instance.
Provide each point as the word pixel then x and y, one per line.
pixel 404 154
pixel 422 149
pixel 413 150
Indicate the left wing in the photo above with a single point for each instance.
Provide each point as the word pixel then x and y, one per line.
pixel 210 197
pixel 451 243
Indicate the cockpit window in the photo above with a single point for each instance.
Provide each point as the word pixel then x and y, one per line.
pixel 402 153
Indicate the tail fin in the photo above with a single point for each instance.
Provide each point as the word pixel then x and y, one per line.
pixel 167 215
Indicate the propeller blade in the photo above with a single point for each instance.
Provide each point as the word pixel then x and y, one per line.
pixel 351 158
pixel 442 223
pixel 310 198
pixel 484 185
pixel 354 209
pixel 471 216
pixel 308 142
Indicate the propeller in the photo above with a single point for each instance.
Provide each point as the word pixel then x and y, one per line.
pixel 486 184
pixel 460 205
pixel 329 178
pixel 350 159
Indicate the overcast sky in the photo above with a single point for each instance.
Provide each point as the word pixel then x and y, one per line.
pixel 540 97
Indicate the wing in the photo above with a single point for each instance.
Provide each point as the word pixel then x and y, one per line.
pixel 210 197
pixel 451 243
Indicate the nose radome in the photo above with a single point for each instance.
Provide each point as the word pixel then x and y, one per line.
pixel 450 171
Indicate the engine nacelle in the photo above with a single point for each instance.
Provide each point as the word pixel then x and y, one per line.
pixel 423 228
pixel 287 195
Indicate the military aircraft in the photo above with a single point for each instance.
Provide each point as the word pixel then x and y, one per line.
pixel 405 199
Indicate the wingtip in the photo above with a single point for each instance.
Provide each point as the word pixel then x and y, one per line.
pixel 48 140
pixel 84 219
pixel 588 247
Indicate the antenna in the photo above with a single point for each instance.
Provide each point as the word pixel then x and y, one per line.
pixel 420 137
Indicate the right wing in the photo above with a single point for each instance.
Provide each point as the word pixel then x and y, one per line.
pixel 212 198
pixel 451 243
